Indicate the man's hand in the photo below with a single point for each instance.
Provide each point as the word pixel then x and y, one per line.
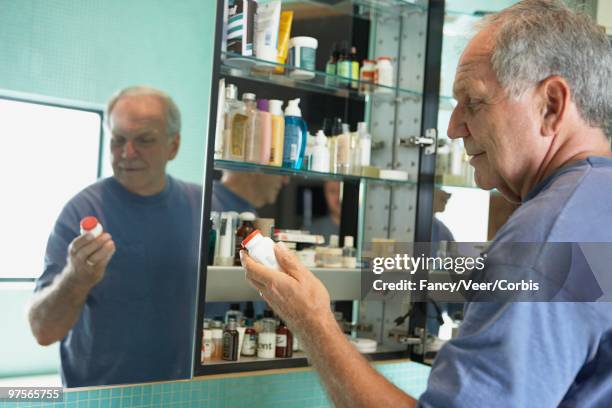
pixel 88 258
pixel 302 302
pixel 294 293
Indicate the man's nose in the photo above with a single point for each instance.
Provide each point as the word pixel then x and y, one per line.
pixel 129 151
pixel 457 127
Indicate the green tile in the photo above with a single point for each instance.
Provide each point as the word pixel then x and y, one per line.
pixel 94 394
pixel 115 392
pixel 115 403
pixel 93 404
pixel 156 400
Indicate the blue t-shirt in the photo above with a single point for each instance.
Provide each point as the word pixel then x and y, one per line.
pixel 137 324
pixel 224 199
pixel 541 354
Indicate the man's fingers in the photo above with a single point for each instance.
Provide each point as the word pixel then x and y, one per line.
pixel 261 274
pixel 89 249
pixel 288 262
pixel 80 241
pixel 103 254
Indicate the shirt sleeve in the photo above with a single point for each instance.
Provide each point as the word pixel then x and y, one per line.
pixel 512 355
pixel 63 233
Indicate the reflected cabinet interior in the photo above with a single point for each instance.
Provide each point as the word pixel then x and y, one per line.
pixel 373 61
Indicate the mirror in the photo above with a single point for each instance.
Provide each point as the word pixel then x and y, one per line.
pixel 62 61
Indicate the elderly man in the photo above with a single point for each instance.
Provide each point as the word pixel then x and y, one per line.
pixel 533 88
pixel 123 306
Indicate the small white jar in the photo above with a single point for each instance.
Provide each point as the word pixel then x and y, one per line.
pixel 303 54
pixel 261 249
pixel 384 73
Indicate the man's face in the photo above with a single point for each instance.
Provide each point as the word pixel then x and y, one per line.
pixel 268 186
pixel 500 133
pixel 140 145
pixel 332 197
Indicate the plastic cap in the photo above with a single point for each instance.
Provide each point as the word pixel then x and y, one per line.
pixel 247 96
pixel 362 127
pixel 348 241
pixel 263 105
pixel 89 223
pixel 276 107
pixel 321 138
pixel 293 108
pixel 231 91
pixel 247 216
pixel 345 128
pixel 250 237
pixel 333 240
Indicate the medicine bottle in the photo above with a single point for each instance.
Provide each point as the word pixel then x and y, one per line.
pixel 207 343
pixel 261 249
pixel 230 341
pixel 249 345
pixel 217 339
pixel 284 341
pixel 245 229
pixel 266 341
pixel 90 225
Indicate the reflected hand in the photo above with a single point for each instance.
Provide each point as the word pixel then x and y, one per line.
pixel 295 294
pixel 88 258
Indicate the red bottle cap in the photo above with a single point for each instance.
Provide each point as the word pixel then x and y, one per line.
pixel 89 223
pixel 250 237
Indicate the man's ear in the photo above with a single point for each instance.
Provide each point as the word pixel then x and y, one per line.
pixel 175 143
pixel 555 96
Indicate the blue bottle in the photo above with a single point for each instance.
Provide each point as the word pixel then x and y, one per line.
pixel 296 135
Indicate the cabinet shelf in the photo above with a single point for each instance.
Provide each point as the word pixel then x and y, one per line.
pixel 283 171
pixel 234 65
pixel 364 9
pixel 228 284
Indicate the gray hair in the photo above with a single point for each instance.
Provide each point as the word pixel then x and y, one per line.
pixel 535 39
pixel 173 115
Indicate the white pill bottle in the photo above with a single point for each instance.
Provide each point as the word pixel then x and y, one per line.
pixel 91 225
pixel 261 249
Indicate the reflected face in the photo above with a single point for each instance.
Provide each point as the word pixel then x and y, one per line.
pixel 499 132
pixel 441 197
pixel 268 186
pixel 140 146
pixel 332 197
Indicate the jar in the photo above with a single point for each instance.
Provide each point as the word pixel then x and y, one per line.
pixel 266 340
pixel 367 76
pixel 384 73
pixel 261 249
pixel 303 54
pixel 245 229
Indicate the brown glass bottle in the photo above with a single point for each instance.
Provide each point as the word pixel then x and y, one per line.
pixel 230 342
pixel 245 229
pixel 284 341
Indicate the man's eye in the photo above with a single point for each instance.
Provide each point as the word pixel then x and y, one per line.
pixel 473 104
pixel 117 142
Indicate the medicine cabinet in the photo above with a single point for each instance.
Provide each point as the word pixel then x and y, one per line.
pixel 390 201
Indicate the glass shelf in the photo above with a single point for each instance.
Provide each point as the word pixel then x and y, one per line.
pixel 364 9
pixel 254 69
pixel 283 171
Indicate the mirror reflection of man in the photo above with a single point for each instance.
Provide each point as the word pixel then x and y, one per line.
pixel 329 224
pixel 242 192
pixel 120 304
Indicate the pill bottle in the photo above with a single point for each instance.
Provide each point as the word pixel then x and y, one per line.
pixel 261 249
pixel 266 341
pixel 90 225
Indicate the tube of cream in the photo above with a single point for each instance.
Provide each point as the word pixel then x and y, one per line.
pixel 284 33
pixel 266 30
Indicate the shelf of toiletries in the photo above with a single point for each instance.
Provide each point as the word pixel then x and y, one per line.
pixel 308 79
pixel 227 283
pixel 375 173
pixel 364 9
pixel 272 136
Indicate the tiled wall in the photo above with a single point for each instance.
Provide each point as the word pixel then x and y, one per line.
pixel 298 388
